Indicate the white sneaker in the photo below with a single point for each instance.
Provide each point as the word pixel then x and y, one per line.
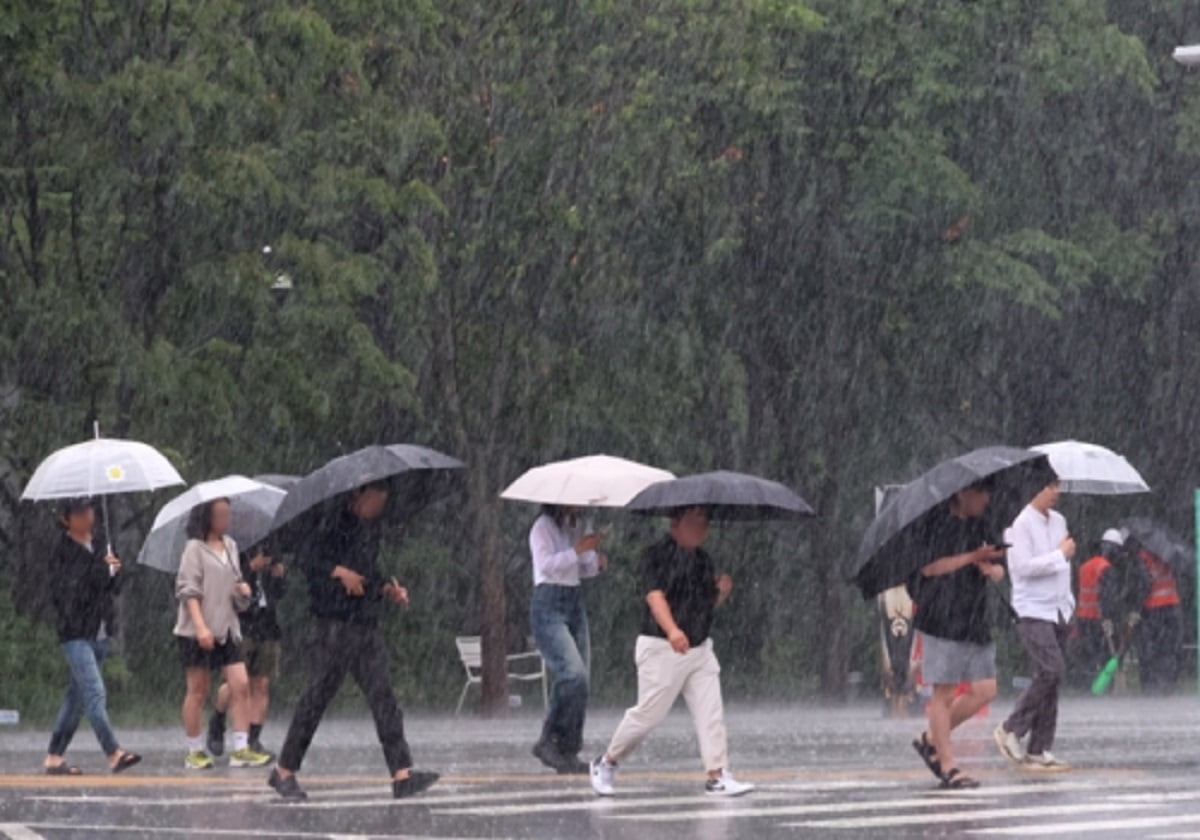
pixel 1045 762
pixel 726 785
pixel 1009 744
pixel 603 776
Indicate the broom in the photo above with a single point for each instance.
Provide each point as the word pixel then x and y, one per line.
pixel 1104 679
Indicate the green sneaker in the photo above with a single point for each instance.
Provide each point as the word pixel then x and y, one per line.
pixel 198 760
pixel 248 757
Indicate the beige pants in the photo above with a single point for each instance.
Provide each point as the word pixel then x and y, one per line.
pixel 663 675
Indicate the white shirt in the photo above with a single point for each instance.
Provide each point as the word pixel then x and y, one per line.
pixel 1040 572
pixel 554 557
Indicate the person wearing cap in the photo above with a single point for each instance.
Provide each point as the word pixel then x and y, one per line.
pixel 674 654
pixel 1039 566
pixel 1098 606
pixel 86 580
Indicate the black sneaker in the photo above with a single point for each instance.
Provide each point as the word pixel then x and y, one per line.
pixel 417 781
pixel 216 734
pixel 573 766
pixel 288 788
pixel 547 753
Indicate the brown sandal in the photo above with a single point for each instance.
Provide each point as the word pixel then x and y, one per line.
pixel 63 770
pixel 956 779
pixel 126 761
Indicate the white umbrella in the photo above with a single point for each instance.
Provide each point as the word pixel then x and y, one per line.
pixel 252 504
pixel 590 481
pixel 1092 469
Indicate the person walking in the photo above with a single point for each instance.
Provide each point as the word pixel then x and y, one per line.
pixel 85 583
pixel 1160 632
pixel 346 587
pixel 565 550
pixel 261 637
pixel 210 591
pixel 951 596
pixel 1039 566
pixel 1098 606
pixel 674 654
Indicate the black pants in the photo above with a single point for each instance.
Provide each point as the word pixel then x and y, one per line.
pixel 1036 713
pixel 1092 651
pixel 1159 638
pixel 338 649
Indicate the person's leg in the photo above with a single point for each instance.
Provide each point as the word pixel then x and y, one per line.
pixel 239 703
pixel 1033 708
pixel 197 679
pixel 1172 640
pixel 940 722
pixel 216 721
pixel 702 693
pixel 330 661
pixel 1148 648
pixel 85 672
pixel 576 713
pixel 69 714
pixel 567 667
pixel 371 669
pixel 260 698
pixel 660 681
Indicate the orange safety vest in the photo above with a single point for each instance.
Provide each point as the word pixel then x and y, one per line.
pixel 1162 583
pixel 1089 587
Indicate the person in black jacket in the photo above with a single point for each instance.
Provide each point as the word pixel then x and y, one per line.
pixel 261 637
pixel 346 588
pixel 85 582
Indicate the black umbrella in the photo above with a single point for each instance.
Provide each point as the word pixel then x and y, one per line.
pixel 727 495
pixel 415 476
pixel 893 546
pixel 1161 541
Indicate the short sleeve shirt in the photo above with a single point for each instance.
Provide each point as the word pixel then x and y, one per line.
pixel 688 581
pixel 953 606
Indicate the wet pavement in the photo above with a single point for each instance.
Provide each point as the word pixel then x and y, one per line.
pixel 840 772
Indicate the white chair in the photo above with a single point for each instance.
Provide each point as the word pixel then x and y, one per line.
pixel 470 651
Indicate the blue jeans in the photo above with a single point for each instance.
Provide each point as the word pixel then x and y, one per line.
pixel 560 629
pixel 85 696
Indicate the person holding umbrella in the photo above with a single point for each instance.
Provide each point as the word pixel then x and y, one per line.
pixel 674 653
pixel 211 592
pixel 85 584
pixel 346 587
pixel 565 551
pixel 1039 565
pixel 261 635
pixel 950 592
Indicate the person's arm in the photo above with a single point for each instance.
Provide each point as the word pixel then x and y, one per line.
pixel 952 563
pixel 724 588
pixel 189 590
pixel 552 562
pixel 656 600
pixel 1022 561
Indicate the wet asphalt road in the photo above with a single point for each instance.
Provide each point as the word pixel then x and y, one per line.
pixel 821 773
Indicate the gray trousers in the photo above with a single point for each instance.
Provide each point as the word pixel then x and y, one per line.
pixel 1036 713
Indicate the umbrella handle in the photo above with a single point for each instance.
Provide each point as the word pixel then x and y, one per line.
pixel 103 498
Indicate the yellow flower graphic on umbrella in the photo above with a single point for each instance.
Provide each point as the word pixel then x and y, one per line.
pixel 115 473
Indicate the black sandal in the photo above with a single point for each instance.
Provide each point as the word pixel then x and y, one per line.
pixel 64 770
pixel 126 761
pixel 956 779
pixel 928 753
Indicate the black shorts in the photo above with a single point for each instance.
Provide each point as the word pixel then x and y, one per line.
pixel 222 654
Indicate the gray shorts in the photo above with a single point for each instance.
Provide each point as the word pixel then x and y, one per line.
pixel 947 662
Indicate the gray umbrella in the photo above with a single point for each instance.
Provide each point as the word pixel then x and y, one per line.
pixel 1160 541
pixel 893 546
pixel 281 480
pixel 414 475
pixel 727 495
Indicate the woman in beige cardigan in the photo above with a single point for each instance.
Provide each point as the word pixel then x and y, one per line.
pixel 210 591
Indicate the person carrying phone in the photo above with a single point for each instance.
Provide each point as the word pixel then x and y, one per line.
pixel 565 550
pixel 951 594
pixel 1039 564
pixel 346 588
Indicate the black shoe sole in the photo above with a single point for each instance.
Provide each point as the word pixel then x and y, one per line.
pixel 417 783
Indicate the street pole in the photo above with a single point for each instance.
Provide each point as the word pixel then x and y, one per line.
pixel 1196 589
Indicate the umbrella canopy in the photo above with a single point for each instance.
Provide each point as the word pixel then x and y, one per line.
pixel 412 471
pixel 100 467
pixel 590 481
pixel 281 480
pixel 1092 469
pixel 252 505
pixel 1159 540
pixel 892 548
pixel 729 496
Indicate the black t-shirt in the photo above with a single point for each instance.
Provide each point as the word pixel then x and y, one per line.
pixel 953 606
pixel 344 540
pixel 688 579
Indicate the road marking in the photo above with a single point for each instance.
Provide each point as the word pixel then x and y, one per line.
pixel 17 831
pixel 966 815
pixel 1097 826
pixel 718 808
pixel 347 797
pixel 191 831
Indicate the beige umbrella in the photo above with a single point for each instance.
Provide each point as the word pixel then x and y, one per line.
pixel 590 481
